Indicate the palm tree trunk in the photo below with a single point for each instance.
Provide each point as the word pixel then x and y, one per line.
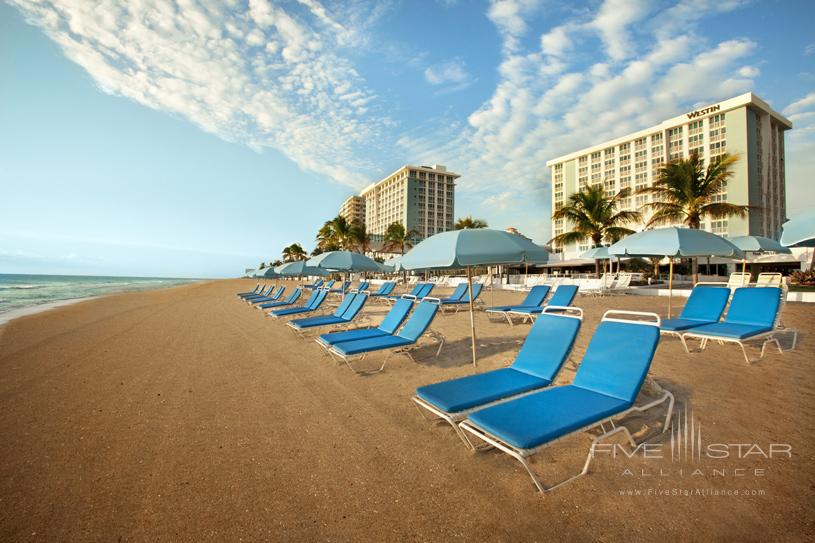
pixel 597 267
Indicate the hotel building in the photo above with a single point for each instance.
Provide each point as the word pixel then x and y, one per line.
pixel 353 209
pixel 422 198
pixel 745 126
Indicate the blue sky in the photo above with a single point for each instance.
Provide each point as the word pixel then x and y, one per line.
pixel 198 138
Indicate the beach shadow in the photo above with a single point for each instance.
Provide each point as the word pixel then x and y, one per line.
pixel 458 353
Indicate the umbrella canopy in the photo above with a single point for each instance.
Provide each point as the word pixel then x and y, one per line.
pixel 473 247
pixel 598 253
pixel 459 249
pixel 758 244
pixel 259 272
pixel 346 261
pixel 299 268
pixel 799 231
pixel 269 273
pixel 674 242
pixel 393 265
pixel 250 273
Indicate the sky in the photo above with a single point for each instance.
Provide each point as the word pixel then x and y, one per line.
pixel 198 138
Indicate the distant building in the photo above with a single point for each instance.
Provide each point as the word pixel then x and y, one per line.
pixel 353 209
pixel 422 198
pixel 745 125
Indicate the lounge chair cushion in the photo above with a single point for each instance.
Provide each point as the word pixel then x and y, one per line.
pixel 754 306
pixel 730 330
pixel 617 359
pixel 351 335
pixel 563 296
pixel 705 304
pixel 482 388
pixel 534 298
pixel 371 344
pixel 675 325
pixel 544 416
pixel 311 322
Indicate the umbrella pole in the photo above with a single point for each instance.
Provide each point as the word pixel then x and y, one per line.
pixel 472 318
pixel 526 274
pixel 744 264
pixel 670 284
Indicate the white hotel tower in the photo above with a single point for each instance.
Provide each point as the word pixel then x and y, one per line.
pixel 744 125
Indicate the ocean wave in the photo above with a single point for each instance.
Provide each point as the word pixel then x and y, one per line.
pixel 21 287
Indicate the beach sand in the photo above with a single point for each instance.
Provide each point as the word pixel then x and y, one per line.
pixel 183 415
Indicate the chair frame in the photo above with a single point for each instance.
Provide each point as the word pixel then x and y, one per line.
pixel 489 441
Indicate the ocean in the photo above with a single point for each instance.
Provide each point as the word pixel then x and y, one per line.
pixel 20 291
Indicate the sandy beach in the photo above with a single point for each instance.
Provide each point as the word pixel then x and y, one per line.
pixel 183 415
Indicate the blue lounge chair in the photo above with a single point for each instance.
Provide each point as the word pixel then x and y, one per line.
pixel 752 316
pixel 327 286
pixel 416 326
pixel 253 291
pixel 316 284
pixel 464 300
pixel 545 349
pixel 261 294
pixel 361 287
pixel 457 294
pixel 384 289
pixel 312 304
pixel 293 297
pixel 704 306
pixel 562 297
pixel 419 291
pixel 342 289
pixel 344 314
pixel 534 299
pixel 271 298
pixel 606 386
pixel 387 327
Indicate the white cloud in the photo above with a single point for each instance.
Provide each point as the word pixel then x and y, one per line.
pixel 612 22
pixel 453 74
pixel 549 101
pixel 801 104
pixel 447 72
pixel 270 77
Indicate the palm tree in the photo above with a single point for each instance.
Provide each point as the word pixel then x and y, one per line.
pixel 594 217
pixel 396 237
pixel 335 235
pixel 686 192
pixel 468 222
pixel 276 263
pixel 294 252
pixel 360 237
pixel 332 236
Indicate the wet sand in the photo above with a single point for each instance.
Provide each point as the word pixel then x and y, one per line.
pixel 183 415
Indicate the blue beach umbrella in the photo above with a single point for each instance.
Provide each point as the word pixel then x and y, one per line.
pixel 757 244
pixel 344 261
pixel 674 242
pixel 460 249
pixel 393 265
pixel 800 232
pixel 269 273
pixel 298 269
pixel 598 253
